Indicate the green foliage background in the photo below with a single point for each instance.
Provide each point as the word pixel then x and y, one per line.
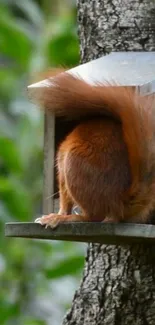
pixel 37 278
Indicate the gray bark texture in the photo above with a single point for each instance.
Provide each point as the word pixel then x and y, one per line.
pixel 118 285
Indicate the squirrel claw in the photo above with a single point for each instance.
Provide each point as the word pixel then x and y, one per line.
pixel 52 220
pixel 38 220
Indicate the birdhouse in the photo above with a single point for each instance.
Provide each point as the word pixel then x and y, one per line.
pixel 129 69
pixel 132 69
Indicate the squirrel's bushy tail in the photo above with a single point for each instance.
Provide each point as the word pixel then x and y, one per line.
pixel 72 97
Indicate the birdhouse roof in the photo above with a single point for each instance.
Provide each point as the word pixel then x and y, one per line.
pixel 123 68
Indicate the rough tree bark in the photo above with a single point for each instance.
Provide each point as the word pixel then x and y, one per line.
pixel 118 285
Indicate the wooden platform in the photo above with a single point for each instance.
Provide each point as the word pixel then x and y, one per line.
pixel 118 234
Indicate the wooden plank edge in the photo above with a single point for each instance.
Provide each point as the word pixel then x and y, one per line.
pixel 85 232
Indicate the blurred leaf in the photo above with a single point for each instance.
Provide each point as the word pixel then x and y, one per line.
pixel 9 155
pixel 16 198
pixel 30 140
pixel 63 50
pixel 12 38
pixel 63 45
pixel 34 322
pixel 6 127
pixel 69 266
pixel 8 311
pixel 3 213
pixel 8 81
pixel 33 34
pixel 32 11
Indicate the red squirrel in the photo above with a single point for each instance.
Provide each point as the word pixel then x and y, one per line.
pixel 106 165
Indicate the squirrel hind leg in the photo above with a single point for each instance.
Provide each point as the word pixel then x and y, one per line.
pixel 64 215
pixel 65 199
pixel 90 192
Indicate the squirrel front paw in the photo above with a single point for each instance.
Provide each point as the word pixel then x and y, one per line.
pixel 52 220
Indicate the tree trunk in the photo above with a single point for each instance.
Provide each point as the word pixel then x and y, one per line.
pixel 118 285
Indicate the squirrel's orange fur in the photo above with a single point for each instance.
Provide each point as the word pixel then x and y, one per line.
pixel 106 165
